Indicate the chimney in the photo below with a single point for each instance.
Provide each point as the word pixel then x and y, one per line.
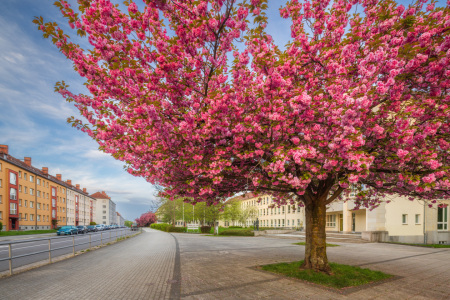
pixel 69 182
pixel 4 149
pixel 84 190
pixel 45 170
pixel 58 176
pixel 78 186
pixel 27 161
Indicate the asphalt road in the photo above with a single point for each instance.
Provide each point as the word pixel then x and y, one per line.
pixel 22 251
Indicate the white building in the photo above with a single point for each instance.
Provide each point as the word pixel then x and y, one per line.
pixel 396 220
pixel 120 220
pixel 105 209
pixel 79 205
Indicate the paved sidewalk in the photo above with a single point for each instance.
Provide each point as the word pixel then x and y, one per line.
pixel 137 268
pixel 159 265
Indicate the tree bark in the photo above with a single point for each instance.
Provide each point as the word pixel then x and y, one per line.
pixel 315 249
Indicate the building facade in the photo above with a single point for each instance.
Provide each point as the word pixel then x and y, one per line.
pixel 120 220
pixel 396 220
pixel 105 209
pixel 32 199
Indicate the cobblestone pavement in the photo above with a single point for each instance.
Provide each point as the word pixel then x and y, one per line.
pixel 223 268
pixel 158 265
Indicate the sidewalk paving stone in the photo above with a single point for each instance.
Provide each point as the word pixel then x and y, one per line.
pixel 159 265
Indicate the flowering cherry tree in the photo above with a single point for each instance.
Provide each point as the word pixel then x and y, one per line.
pixel 194 97
pixel 146 219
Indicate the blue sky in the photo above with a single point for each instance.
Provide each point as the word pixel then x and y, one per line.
pixel 33 117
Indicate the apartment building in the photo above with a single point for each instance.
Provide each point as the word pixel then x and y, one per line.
pixel 120 220
pixel 80 205
pixel 105 209
pixel 268 213
pixel 30 198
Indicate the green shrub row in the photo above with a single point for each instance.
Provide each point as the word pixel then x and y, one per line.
pixel 167 227
pixel 237 232
pixel 231 227
pixel 205 229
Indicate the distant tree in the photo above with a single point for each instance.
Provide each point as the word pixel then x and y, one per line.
pixel 248 214
pixel 232 212
pixel 146 219
pixel 92 223
pixel 1 226
pixel 128 223
pixel 54 223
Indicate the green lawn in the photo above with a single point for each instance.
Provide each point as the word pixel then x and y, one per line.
pixel 304 243
pixel 27 232
pixel 422 245
pixel 343 275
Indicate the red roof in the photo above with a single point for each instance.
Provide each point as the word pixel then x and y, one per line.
pixel 100 195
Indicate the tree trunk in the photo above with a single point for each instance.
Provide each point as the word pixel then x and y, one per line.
pixel 315 249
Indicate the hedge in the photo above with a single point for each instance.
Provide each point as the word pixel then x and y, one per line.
pixel 205 229
pixel 167 227
pixel 235 232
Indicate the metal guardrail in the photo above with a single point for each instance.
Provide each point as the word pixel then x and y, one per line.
pixel 104 237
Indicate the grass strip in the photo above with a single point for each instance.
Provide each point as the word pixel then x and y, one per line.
pixel 27 232
pixel 343 275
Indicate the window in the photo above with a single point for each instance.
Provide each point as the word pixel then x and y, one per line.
pixel 38 181
pixel 25 177
pixel 25 217
pixel 20 188
pixel 104 217
pixel 53 214
pixel 0 166
pixel 12 194
pixel 20 202
pixel 53 192
pixel 25 189
pixel 20 174
pixel 1 215
pixel 442 218
pixel 26 203
pixel 417 219
pixel 13 209
pixel 1 199
pixel 31 192
pixel 331 221
pixel 38 205
pixel 404 219
pixel 39 193
pixel 104 206
pixel 0 183
pixel 53 203
pixel 31 217
pixel 12 179
pixel 38 217
pixel 104 211
pixel 31 204
pixel 31 178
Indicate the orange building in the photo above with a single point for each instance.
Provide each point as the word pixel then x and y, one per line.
pixel 30 198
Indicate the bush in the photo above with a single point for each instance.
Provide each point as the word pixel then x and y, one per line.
pixel 161 226
pixel 92 223
pixel 175 229
pixel 1 226
pixel 205 229
pixel 234 227
pixel 235 232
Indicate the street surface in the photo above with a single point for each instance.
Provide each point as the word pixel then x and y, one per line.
pixel 159 265
pixel 60 245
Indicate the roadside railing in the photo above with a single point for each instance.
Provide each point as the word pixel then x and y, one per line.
pixel 81 242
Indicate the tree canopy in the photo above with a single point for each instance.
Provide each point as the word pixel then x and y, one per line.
pixel 359 97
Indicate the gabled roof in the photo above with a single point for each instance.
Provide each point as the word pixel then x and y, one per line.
pixel 100 195
pixel 246 196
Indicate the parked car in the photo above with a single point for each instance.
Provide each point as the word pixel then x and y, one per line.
pixel 82 229
pixel 92 228
pixel 67 230
pixel 99 227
